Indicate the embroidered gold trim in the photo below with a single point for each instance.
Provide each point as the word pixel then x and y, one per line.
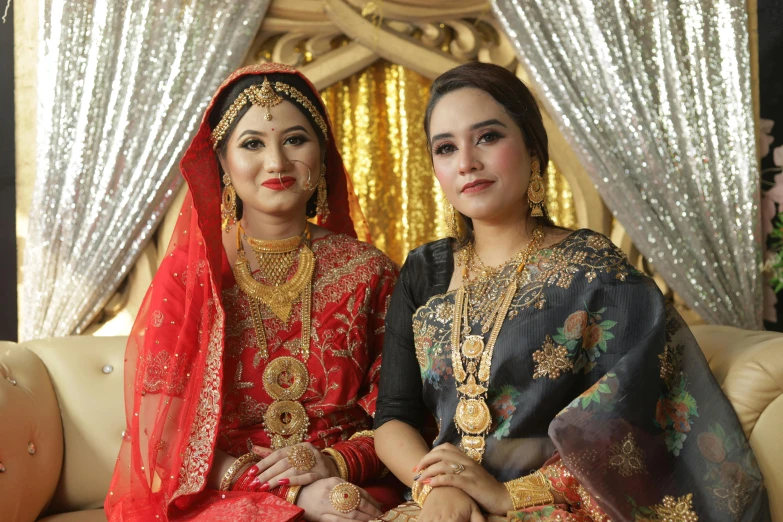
pixel 551 360
pixel 197 455
pixel 676 509
pixel 626 457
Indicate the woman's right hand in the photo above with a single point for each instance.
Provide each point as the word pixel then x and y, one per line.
pixel 314 499
pixel 450 504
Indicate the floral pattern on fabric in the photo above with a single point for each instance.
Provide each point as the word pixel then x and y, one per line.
pixel 674 413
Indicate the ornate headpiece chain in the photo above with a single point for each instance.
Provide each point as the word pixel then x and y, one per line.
pixel 266 95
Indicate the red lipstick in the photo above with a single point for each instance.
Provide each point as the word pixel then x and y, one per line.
pixel 279 184
pixel 476 186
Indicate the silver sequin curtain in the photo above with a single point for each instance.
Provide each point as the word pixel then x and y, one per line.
pixel 655 97
pixel 122 86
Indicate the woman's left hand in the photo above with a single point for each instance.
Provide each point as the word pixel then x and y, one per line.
pixel 276 468
pixel 446 465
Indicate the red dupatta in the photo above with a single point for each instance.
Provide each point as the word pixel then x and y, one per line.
pixel 173 360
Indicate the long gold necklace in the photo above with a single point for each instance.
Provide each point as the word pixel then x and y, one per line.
pixel 286 378
pixel 471 358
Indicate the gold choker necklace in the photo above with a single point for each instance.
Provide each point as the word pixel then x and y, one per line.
pixel 279 298
pixel 471 359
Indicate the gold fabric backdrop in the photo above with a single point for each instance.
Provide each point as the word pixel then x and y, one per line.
pixel 377 116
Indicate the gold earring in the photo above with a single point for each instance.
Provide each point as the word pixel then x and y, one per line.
pixel 228 207
pixel 535 190
pixel 452 228
pixel 321 204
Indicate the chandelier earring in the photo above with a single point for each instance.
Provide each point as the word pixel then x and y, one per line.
pixel 452 223
pixel 228 206
pixel 321 203
pixel 535 190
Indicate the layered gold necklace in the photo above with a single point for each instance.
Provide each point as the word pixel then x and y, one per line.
pixel 285 379
pixel 471 357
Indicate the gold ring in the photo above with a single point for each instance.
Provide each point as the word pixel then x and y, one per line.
pixel 456 467
pixel 345 497
pixel 301 458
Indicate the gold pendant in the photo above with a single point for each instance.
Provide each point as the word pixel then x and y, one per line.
pixel 473 416
pixel 286 378
pixel 473 447
pixel 473 346
pixel 472 389
pixel 287 421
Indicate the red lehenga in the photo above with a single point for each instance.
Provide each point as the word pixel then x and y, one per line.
pixel 192 367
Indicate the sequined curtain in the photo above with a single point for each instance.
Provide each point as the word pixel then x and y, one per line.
pixel 378 115
pixel 655 97
pixel 122 86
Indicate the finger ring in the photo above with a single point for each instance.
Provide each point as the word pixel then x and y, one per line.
pixel 345 497
pixel 301 458
pixel 457 467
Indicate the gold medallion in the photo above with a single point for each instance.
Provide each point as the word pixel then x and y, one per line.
pixel 286 378
pixel 473 346
pixel 473 416
pixel 287 421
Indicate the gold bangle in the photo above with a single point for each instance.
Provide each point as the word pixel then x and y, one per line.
pixel 292 494
pixel 531 490
pixel 339 461
pixel 419 492
pixel 235 468
pixel 363 433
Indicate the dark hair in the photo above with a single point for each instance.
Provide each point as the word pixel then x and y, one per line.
pixel 510 93
pixel 227 97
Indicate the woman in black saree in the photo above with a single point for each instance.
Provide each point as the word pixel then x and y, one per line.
pixel 562 385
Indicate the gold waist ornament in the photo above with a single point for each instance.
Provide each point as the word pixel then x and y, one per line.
pixel 471 357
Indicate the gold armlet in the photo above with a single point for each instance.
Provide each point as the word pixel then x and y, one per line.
pixel 293 494
pixel 419 492
pixel 339 461
pixel 235 468
pixel 531 490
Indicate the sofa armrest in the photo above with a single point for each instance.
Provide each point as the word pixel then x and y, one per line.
pixel 31 435
pixel 87 375
pixel 749 367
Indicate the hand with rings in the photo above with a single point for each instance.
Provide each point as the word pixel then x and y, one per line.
pixel 446 465
pixel 297 465
pixel 334 500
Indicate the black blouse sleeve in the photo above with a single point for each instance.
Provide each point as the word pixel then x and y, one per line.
pixel 426 272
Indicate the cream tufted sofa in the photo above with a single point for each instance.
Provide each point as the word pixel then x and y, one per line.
pixel 62 416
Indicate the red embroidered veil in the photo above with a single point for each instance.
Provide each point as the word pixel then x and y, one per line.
pixel 173 409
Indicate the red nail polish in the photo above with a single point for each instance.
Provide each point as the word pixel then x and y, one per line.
pixel 253 472
pixel 264 487
pixel 254 482
pixel 284 482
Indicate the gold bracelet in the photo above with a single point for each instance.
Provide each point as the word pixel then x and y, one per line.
pixel 363 433
pixel 235 468
pixel 292 494
pixel 339 461
pixel 531 490
pixel 419 492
